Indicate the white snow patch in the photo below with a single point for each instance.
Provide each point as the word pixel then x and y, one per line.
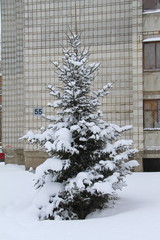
pixel 76 63
pixel 63 134
pixel 131 164
pixel 152 147
pixel 62 141
pixel 151 11
pixel 154 39
pixel 127 220
pixel 29 135
pixel 151 129
pixel 43 194
pixel 78 181
pixel 106 187
pixel 95 129
pixel 54 164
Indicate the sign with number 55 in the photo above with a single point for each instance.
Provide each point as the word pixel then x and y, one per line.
pixel 38 111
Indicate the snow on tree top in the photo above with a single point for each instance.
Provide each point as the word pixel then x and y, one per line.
pixel 76 63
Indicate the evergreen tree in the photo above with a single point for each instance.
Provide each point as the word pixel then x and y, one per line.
pixel 87 159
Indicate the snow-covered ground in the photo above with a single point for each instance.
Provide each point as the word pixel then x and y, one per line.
pixel 136 215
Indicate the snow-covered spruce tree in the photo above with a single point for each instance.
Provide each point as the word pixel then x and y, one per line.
pixel 87 160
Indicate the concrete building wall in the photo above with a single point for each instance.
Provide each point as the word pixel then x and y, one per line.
pixel 112 29
pixel 0 109
pixel 13 81
pixel 151 21
pixel 32 36
pixel 105 28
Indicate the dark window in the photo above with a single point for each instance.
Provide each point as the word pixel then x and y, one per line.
pixel 152 113
pixel 152 56
pixel 151 164
pixel 151 4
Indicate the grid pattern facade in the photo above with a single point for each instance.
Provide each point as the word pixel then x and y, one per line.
pixel 12 68
pixel 113 31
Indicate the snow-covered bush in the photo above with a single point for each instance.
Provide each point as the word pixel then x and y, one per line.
pixel 87 160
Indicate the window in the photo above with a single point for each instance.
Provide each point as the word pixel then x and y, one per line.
pixel 151 164
pixel 151 4
pixel 152 113
pixel 151 56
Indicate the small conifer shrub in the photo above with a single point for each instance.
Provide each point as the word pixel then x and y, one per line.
pixel 88 160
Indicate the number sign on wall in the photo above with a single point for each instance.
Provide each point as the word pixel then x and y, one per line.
pixel 38 111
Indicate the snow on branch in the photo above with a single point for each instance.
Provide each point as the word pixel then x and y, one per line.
pixel 94 66
pixel 55 104
pixel 53 91
pixel 103 91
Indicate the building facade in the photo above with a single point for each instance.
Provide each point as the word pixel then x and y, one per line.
pixel 123 35
pixel 0 93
